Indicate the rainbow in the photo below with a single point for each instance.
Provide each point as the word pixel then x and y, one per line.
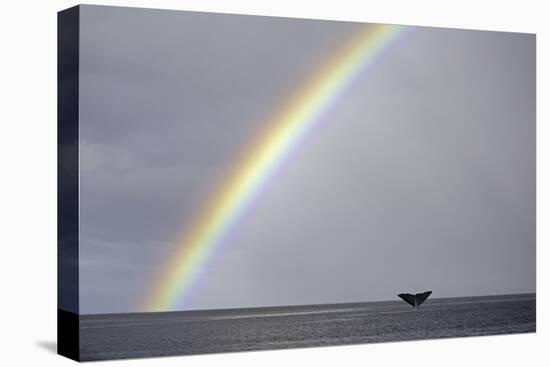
pixel 261 159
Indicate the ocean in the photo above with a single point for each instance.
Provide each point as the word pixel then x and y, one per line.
pixel 134 335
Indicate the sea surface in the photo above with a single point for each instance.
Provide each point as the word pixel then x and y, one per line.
pixel 133 335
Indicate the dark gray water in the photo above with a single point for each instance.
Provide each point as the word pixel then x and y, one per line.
pixel 171 333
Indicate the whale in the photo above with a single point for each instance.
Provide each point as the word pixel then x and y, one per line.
pixel 415 300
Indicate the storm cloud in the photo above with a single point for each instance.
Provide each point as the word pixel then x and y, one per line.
pixel 421 176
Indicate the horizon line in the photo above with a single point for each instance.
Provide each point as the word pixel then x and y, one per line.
pixel 299 305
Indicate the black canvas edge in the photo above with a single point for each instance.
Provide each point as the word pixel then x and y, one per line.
pixel 68 24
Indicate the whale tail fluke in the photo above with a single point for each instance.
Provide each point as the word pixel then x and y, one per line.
pixel 415 300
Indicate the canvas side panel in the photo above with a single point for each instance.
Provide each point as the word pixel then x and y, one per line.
pixel 67 183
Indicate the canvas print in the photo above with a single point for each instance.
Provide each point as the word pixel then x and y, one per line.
pixel 235 183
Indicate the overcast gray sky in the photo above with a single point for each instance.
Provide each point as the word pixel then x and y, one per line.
pixel 422 176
